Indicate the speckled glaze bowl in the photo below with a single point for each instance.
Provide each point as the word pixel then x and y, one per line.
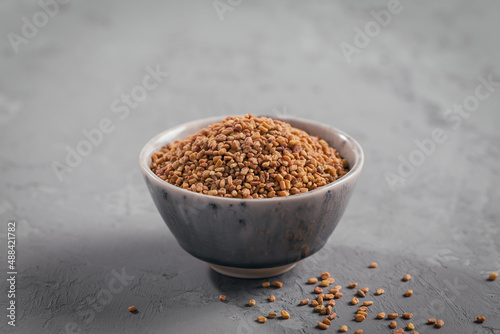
pixel 253 238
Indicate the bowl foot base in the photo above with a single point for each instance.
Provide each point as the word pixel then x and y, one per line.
pixel 252 273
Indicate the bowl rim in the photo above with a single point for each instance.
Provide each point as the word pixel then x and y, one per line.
pixel 155 141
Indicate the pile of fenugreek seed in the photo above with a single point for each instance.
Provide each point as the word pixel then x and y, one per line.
pixel 325 281
pixel 249 157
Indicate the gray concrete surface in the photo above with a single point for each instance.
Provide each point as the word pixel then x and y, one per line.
pixel 90 242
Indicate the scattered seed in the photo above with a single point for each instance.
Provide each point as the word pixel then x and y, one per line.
pixel 318 290
pixel 344 329
pixel 266 285
pixel 329 309
pixel 431 321
pixel 323 325
pixel 493 276
pixel 314 303
pixel 393 324
pixel 368 303
pixel 410 326
pixel 328 296
pixel 407 315
pixel 333 291
pixel 278 284
pixel 399 331
pixel 313 280
pixel 285 315
pixel 381 315
pixel 331 303
pixel 362 309
pixel 361 293
pixel 325 275
pixel 272 315
pixel 331 280
pixel 352 285
pixel 338 295
pixel 327 321
pixel 319 308
pixel 365 290
pixel 262 319
pixel 481 319
pixel 338 287
pixel 325 283
pixel 304 302
pixel 222 298
pixel 359 317
pixel 272 298
pixel 379 292
pixel 251 302
pixel 320 299
pixel 354 301
pixel 373 265
pixel 409 293
pixel 324 310
pixel 132 309
pixel 439 323
pixel 363 313
pixel 406 277
pixel 392 316
pixel 414 332
pixel 359 331
pixel 332 316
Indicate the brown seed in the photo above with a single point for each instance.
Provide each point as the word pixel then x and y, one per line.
pixel 359 317
pixel 328 296
pixel 354 301
pixel 379 292
pixel 327 321
pixel 414 332
pixel 272 315
pixel 381 315
pixel 373 265
pixel 431 321
pixel 393 324
pixel 314 303
pixel 338 287
pixel 493 276
pixel 132 309
pixel 365 290
pixel 319 308
pixel 272 298
pixel 363 313
pixel 352 285
pixel 320 299
pixel 359 331
pixel 313 280
pixel 322 325
pixel 407 315
pixel 331 303
pixel 410 326
pixel 266 285
pixel 409 293
pixel 362 309
pixel 318 290
pixel 285 315
pixel 324 310
pixel 331 280
pixel 344 329
pixel 399 331
pixel 439 323
pixel 261 319
pixel 368 303
pixel 332 316
pixel 329 309
pixel 361 293
pixel 278 284
pixel 325 275
pixel 304 302
pixel 222 298
pixel 481 319
pixel 251 302
pixel 338 295
pixel 333 291
pixel 325 283
pixel 406 277
pixel 392 316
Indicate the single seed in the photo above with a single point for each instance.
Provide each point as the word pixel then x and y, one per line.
pixel 328 296
pixel 373 265
pixel 393 324
pixel 439 323
pixel 409 293
pixel 332 316
pixel 314 303
pixel 431 321
pixel 262 319
pixel 320 299
pixel 414 332
pixel 359 317
pixel 368 303
pixel 318 290
pixel 324 310
pixel 352 285
pixel 407 315
pixel 266 285
pixel 304 302
pixel 379 292
pixel 331 303
pixel 410 326
pixel 331 280
pixel 381 315
pixel 278 284
pixel 354 301
pixel 359 331
pixel 392 316
pixel 325 283
pixel 481 319
pixel 323 325
pixel 251 302
pixel 327 321
pixel 365 290
pixel 285 315
pixel 493 276
pixel 361 293
pixel 329 309
pixel 344 329
pixel 333 291
pixel 325 275
pixel 272 298
pixel 362 309
pixel 363 313
pixel 399 331
pixel 132 309
pixel 272 315
pixel 338 287
pixel 319 308
pixel 222 298
pixel 338 295
pixel 312 280
pixel 406 277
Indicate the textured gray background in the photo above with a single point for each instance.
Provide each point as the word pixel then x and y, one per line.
pixel 283 57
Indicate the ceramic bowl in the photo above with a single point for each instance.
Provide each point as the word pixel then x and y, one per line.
pixel 253 238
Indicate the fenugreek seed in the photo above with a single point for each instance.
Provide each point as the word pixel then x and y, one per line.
pixel 359 331
pixel 327 321
pixel 331 280
pixel 312 280
pixel 251 302
pixel 222 298
pixel 344 329
pixel 354 301
pixel 334 291
pixel 399 331
pixel 410 326
pixel 439 323
pixel 379 292
pixel 320 299
pixel 338 287
pixel 324 310
pixel 272 298
pixel 331 303
pixel 319 308
pixel 406 277
pixel 381 315
pixel 332 316
pixel 318 290
pixel 407 315
pixel 325 275
pixel 304 302
pixel 329 309
pixel 359 317
pixel 285 315
pixel 363 313
pixel 373 265
pixel 272 315
pixel 481 319
pixel 361 293
pixel 392 316
pixel 409 293
pixel 362 309
pixel 365 290
pixel 338 295
pixel 266 285
pixel 393 324
pixel 368 303
pixel 278 284
pixel 414 332
pixel 352 285
pixel 493 276
pixel 314 303
pixel 431 321
pixel 132 309
pixel 325 283
pixel 322 325
pixel 328 296
pixel 262 319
